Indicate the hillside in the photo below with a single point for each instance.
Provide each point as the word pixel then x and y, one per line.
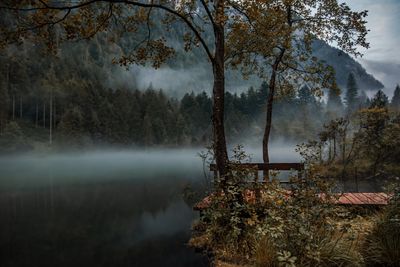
pixel 90 62
pixel 343 65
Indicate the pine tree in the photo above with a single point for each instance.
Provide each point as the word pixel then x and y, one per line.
pixel 148 132
pixel 351 93
pixel 305 96
pixel 4 101
pixel 395 103
pixel 363 100
pixel 334 101
pixel 307 107
pixel 380 100
pixel 72 126
pixel 262 95
pixel 252 100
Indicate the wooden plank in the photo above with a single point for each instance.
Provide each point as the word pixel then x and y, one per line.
pixel 367 199
pixel 378 198
pixel 264 166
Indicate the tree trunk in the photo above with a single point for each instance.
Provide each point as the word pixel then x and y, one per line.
pixel 20 107
pixel 51 118
pixel 334 147
pixel 37 115
pixel 272 86
pixel 13 107
pixel 320 153
pixel 268 124
pixel 44 115
pixel 344 148
pixel 54 113
pixel 220 150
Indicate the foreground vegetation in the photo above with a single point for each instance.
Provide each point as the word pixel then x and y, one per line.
pixel 301 231
pixel 268 225
pixel 271 224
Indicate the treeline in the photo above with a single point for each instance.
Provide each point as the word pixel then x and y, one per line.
pixel 96 115
pixel 91 114
pixel 361 150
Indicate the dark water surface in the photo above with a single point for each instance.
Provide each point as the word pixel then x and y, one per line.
pixel 98 209
pixel 102 208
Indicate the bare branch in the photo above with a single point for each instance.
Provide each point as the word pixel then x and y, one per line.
pixel 208 11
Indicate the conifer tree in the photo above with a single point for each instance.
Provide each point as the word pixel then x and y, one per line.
pixel 334 101
pixel 351 93
pixel 4 101
pixel 380 100
pixel 363 100
pixel 305 96
pixel 395 103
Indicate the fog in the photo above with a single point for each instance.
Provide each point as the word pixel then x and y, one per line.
pixel 177 81
pixel 93 166
pixel 35 169
pixel 386 72
pixel 104 207
pixel 174 81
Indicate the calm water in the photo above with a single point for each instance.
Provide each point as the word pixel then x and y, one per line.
pixel 99 209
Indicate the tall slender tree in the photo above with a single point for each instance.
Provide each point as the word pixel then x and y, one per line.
pixel 4 101
pixel 334 102
pixel 380 100
pixel 351 96
pixel 305 96
pixel 363 100
pixel 395 103
pixel 285 58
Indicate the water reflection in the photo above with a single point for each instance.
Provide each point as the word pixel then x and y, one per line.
pixel 99 208
pixel 76 211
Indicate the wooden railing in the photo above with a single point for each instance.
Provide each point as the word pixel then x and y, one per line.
pixel 264 167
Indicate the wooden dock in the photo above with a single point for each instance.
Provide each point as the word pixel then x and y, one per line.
pixel 378 198
pixel 347 198
pixel 255 168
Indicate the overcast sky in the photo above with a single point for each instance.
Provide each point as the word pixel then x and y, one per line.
pixel 382 59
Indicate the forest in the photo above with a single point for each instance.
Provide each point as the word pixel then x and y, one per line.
pixel 94 115
pixel 76 81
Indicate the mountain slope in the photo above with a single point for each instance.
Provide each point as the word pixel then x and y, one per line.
pixel 90 61
pixel 343 65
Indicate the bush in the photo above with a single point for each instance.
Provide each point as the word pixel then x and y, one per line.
pixel 382 245
pixel 301 230
pixel 269 225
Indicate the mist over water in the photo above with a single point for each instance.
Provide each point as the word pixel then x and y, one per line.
pixel 99 166
pixel 279 151
pixel 103 208
pixel 35 169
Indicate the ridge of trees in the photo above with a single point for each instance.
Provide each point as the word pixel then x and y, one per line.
pixel 93 114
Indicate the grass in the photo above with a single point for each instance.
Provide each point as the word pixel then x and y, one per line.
pixel 368 240
pixel 382 244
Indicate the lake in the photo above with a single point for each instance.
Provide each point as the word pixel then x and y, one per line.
pixel 102 208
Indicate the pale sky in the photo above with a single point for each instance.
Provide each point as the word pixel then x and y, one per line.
pixel 382 59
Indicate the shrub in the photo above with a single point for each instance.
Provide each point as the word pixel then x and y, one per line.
pixel 382 245
pixel 272 225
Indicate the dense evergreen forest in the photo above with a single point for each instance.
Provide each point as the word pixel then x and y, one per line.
pixel 90 114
